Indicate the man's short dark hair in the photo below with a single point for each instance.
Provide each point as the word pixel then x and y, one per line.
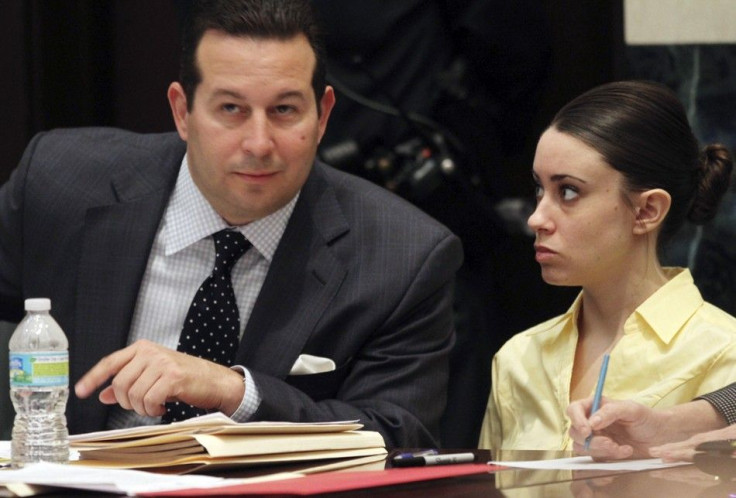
pixel 259 19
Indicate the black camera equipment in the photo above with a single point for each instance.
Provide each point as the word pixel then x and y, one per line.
pixel 422 164
pixel 413 169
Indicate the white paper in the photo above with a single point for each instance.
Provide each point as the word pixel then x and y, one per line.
pixel 215 419
pixel 587 463
pixel 130 482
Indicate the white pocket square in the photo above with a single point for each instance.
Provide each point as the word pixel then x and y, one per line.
pixel 307 364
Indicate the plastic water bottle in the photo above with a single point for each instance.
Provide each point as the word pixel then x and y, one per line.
pixel 39 387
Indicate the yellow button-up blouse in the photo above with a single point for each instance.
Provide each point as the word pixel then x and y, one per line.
pixel 675 347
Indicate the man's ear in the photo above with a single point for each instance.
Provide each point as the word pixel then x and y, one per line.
pixel 651 207
pixel 326 104
pixel 178 103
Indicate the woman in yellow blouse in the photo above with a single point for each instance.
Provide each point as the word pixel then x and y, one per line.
pixel 617 173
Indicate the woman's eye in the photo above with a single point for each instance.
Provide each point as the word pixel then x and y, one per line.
pixel 569 193
pixel 538 191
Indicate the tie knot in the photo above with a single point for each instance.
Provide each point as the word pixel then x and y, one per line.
pixel 229 246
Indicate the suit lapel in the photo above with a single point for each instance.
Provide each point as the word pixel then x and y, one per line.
pixel 303 279
pixel 116 243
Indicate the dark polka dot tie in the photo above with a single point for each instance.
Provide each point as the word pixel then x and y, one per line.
pixel 212 325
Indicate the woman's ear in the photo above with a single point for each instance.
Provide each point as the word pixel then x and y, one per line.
pixel 651 209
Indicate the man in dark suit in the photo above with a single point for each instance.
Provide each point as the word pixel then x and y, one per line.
pixel 344 298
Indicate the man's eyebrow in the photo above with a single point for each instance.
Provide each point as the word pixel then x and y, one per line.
pixel 223 92
pixel 291 93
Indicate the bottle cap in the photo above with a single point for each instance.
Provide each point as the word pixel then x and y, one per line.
pixel 38 304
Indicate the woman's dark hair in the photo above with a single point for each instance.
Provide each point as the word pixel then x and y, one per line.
pixel 641 129
pixel 261 19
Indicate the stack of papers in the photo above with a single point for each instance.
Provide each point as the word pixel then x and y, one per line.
pixel 215 440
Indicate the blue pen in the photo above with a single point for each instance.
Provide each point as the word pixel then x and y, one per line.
pixel 598 394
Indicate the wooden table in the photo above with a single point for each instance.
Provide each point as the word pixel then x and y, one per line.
pixel 675 482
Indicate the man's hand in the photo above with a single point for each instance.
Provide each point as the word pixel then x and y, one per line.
pixel 621 429
pixel 685 450
pixel 146 375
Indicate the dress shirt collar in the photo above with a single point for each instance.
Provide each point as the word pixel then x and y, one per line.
pixel 189 218
pixel 667 310
pixel 664 312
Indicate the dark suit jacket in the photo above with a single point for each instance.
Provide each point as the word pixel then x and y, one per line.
pixel 360 276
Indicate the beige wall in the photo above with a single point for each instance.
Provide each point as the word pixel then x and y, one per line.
pixel 664 22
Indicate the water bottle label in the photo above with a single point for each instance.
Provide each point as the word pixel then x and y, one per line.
pixel 42 369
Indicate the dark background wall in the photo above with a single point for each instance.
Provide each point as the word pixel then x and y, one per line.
pixel 81 63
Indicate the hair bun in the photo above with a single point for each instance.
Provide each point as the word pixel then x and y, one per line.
pixel 713 179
